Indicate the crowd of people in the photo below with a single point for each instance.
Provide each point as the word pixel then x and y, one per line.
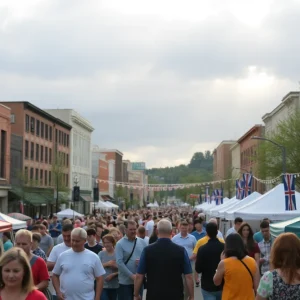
pixel 167 252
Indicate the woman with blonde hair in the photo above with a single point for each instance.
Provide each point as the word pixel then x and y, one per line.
pixel 16 278
pixel 283 282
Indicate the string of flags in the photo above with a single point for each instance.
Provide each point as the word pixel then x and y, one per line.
pixel 243 189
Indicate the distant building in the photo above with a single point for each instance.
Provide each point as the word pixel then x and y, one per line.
pixel 43 136
pixel 80 155
pixel 235 150
pixel 289 105
pixel 222 164
pixel 248 150
pixel 5 156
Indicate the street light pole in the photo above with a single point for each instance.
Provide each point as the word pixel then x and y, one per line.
pixel 283 150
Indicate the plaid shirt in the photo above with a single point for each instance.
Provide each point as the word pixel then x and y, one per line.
pixel 39 252
pixel 265 252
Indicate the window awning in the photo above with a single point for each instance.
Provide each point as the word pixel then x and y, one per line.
pixel 107 198
pixel 86 198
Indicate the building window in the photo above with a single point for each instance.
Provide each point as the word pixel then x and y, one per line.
pixel 38 124
pixel 41 176
pixel 3 153
pixel 50 133
pixel 46 131
pixel 59 137
pixel 26 149
pixel 12 118
pixel 56 135
pixel 67 180
pixel 46 177
pixel 37 175
pixel 46 155
pixel 67 162
pixel 42 129
pixel 42 153
pixel 50 179
pixel 32 124
pixel 32 151
pixel 26 175
pixel 67 140
pixel 37 152
pixel 31 174
pixel 27 123
pixel 50 156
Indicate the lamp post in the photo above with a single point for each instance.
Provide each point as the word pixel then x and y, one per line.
pixel 75 181
pixel 283 150
pixel 244 170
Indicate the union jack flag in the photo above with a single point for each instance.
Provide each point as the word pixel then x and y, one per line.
pixel 219 196
pixel 239 185
pixel 289 192
pixel 247 177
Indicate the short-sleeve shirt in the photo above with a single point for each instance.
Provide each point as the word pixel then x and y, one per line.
pixel 253 251
pixel 77 271
pixel 189 242
pixel 57 251
pixel 105 257
pixel 96 249
pixel 34 295
pixel 272 286
pixel 150 227
pixel 39 271
pixel 7 245
pixel 46 243
pixel 55 233
pixel 202 242
pixel 199 235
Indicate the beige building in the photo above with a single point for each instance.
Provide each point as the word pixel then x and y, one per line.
pixel 235 150
pixel 289 104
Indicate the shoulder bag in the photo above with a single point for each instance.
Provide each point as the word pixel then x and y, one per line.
pixel 128 259
pixel 248 271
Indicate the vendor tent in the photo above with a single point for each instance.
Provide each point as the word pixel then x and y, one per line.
pixel 68 213
pixel 280 227
pixel 215 211
pixel 16 224
pixel 112 205
pixel 102 205
pixel 270 205
pixel 294 228
pixel 229 213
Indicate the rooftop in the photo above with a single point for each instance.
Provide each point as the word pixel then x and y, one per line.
pixel 252 129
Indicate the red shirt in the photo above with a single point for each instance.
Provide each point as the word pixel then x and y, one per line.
pixel 35 295
pixel 39 271
pixel 254 250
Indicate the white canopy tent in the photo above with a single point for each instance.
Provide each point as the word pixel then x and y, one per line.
pixel 16 224
pixel 205 206
pixel 214 212
pixel 229 213
pixel 102 205
pixel 68 213
pixel 112 205
pixel 150 205
pixel 270 205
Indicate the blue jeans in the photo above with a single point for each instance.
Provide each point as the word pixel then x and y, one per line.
pixel 211 295
pixel 109 294
pixel 125 292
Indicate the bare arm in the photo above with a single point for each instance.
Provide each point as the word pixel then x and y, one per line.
pixel 218 278
pixel 42 285
pixel 49 251
pixel 256 279
pixel 50 265
pixel 190 285
pixel 260 298
pixel 257 258
pixel 138 284
pixel 99 287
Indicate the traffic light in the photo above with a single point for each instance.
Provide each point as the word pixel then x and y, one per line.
pixel 76 193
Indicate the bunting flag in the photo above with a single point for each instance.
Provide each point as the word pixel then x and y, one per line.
pixel 289 191
pixel 247 178
pixel 219 196
pixel 239 185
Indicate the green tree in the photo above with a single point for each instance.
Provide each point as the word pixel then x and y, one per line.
pixel 269 156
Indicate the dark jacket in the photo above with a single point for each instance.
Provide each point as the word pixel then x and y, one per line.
pixel 208 258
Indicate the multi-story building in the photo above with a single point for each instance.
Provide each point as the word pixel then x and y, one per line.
pixel 44 139
pixel 222 165
pixel 80 155
pixel 5 130
pixel 235 150
pixel 248 151
pixel 289 105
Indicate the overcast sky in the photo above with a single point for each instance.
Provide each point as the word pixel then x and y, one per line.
pixel 160 79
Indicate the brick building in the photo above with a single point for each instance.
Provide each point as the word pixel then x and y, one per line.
pixel 44 138
pixel 248 150
pixel 5 133
pixel 222 160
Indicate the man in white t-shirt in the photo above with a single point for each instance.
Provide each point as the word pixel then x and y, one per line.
pixel 149 226
pixel 76 270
